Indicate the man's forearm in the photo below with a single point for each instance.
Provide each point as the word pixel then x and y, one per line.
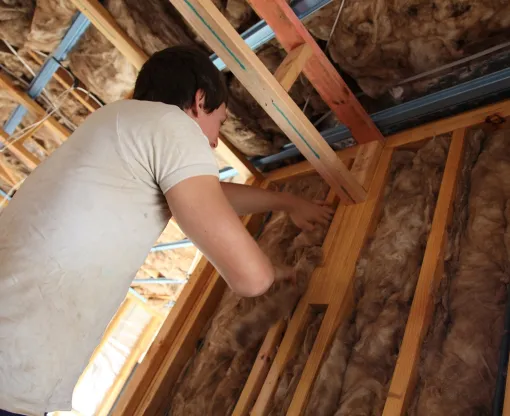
pixel 251 200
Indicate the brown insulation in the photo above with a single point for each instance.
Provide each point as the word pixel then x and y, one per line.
pixel 354 377
pixel 460 356
pixel 381 42
pixel 216 374
pixel 15 19
pixel 49 24
pixel 294 368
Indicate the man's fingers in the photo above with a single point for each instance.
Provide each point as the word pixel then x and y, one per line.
pixel 323 220
pixel 307 226
pixel 328 215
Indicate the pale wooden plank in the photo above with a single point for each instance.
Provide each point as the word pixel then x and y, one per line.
pixel 19 151
pixel 420 315
pixel 306 168
pixel 182 349
pixel 260 369
pixel 292 65
pixel 363 167
pixel 215 29
pixel 147 370
pixel 446 125
pixel 33 107
pixel 147 308
pixel 106 24
pixel 237 160
pixel 136 352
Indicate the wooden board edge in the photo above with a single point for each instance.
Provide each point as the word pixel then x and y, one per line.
pixel 449 124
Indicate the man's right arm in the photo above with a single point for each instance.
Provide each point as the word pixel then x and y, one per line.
pixel 207 218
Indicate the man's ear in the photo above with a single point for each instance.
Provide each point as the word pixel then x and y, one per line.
pixel 198 105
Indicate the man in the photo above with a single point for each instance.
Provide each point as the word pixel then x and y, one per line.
pixel 74 235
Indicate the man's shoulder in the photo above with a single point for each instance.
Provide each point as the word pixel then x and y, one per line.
pixel 145 108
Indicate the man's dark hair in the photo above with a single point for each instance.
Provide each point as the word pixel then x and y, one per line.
pixel 174 75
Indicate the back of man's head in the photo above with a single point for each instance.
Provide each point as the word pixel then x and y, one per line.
pixel 174 75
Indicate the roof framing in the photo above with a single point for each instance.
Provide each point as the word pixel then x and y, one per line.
pixel 291 33
pixel 228 44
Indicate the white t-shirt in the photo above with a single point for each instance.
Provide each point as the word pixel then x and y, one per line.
pixel 74 236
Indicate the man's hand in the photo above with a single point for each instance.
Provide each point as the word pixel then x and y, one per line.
pixel 249 200
pixel 306 214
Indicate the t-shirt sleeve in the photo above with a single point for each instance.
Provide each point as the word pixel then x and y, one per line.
pixel 181 151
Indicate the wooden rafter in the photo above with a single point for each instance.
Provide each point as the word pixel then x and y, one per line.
pixel 134 355
pixel 237 160
pixel 6 173
pixel 19 151
pixel 173 344
pixel 26 101
pixel 219 34
pixel 448 124
pixel 291 33
pixel 292 66
pixel 106 24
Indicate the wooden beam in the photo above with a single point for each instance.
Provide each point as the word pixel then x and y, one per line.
pixel 431 273
pixel 106 24
pixel 260 369
pixel 215 29
pixel 18 150
pixel 141 345
pixel 6 173
pixel 67 81
pixel 446 125
pixel 24 99
pixel 292 65
pixel 147 308
pixel 291 32
pixel 237 160
pixel 147 370
pixel 364 166
pixel 305 168
pixel 182 349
